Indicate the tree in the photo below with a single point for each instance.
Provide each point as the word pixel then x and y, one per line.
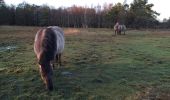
pixel 142 13
pixel 4 13
pixel 116 14
pixel 44 15
pixel 138 14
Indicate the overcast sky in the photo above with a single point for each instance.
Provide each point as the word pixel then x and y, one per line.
pixel 161 6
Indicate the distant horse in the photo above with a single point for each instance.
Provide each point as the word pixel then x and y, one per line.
pixel 48 45
pixel 122 28
pixel 119 28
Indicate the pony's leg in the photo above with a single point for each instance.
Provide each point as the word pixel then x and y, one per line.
pixel 60 59
pixel 53 64
pixel 57 59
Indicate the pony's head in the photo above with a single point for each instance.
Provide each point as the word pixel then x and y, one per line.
pixel 46 72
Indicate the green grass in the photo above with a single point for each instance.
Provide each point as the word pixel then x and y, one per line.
pixel 103 67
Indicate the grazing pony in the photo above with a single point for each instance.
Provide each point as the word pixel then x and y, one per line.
pixel 48 45
pixel 119 28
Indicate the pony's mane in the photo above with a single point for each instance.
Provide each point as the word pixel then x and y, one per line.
pixel 48 46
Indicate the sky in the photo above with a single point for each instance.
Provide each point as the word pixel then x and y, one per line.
pixel 161 6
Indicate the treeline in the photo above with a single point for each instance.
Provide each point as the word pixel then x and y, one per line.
pixel 138 14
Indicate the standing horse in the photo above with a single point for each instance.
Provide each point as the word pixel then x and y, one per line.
pixel 48 45
pixel 119 28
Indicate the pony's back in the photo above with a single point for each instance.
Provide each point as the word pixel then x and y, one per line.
pixel 60 41
pixel 49 42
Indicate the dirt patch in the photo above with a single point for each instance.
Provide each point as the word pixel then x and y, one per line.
pixel 152 94
pixel 71 31
pixel 166 33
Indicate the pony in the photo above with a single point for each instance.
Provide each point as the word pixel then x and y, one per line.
pixel 48 46
pixel 119 28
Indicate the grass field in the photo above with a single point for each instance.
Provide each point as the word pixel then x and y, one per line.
pixel 99 66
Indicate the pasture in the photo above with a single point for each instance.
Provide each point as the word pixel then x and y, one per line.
pixel 96 66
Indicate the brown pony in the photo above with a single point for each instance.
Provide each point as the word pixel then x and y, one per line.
pixel 48 45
